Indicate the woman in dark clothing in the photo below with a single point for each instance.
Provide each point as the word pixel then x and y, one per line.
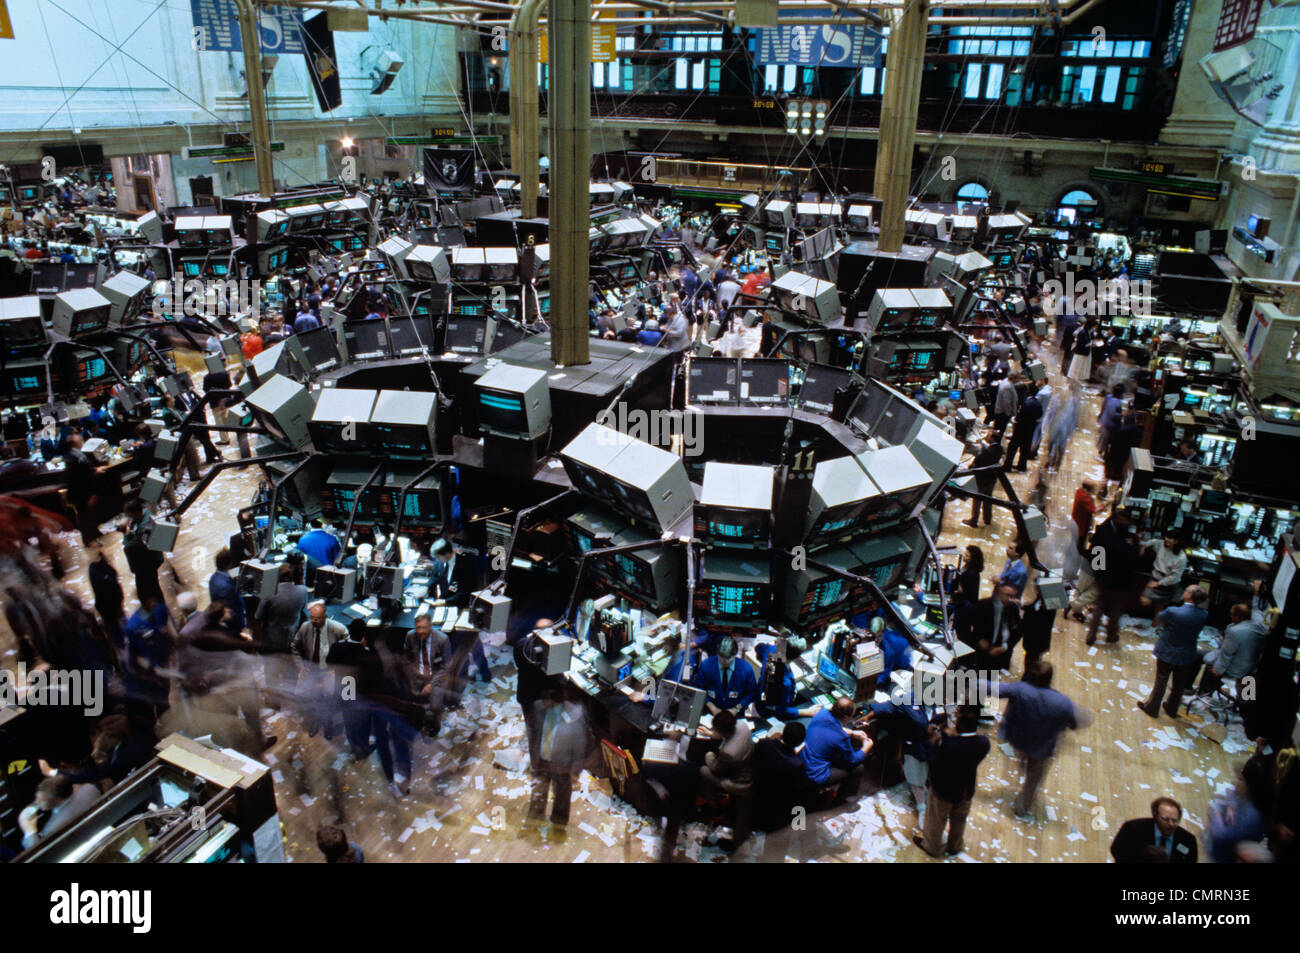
pixel 107 587
pixel 968 582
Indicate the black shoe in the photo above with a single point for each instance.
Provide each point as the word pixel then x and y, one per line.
pixel 269 743
pixel 916 839
pixel 1089 640
pixel 973 524
pixel 1147 711
pixel 953 852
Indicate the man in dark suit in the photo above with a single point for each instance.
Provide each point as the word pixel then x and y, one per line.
pixel 958 751
pixel 989 455
pixel 427 650
pixel 454 581
pixel 1022 432
pixel 1158 840
pixel 995 628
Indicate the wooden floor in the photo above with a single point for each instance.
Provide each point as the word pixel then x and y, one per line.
pixel 463 807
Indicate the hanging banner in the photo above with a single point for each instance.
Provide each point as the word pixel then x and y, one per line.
pixel 322 63
pixel 812 45
pixel 216 27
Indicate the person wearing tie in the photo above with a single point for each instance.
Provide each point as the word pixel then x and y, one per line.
pixel 1158 839
pixel 995 628
pixel 560 744
pixel 312 643
pixel 427 650
pixel 728 681
pixel 454 581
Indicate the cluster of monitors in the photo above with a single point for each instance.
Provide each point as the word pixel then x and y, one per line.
pixel 52 277
pixel 73 368
pixel 652 576
pixel 398 337
pixel 762 382
pixel 423 504
pixel 207 268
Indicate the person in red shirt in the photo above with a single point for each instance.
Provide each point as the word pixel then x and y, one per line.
pixel 34 252
pixel 250 344
pixel 752 284
pixel 1081 517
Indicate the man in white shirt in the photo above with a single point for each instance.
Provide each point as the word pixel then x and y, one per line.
pixel 1166 574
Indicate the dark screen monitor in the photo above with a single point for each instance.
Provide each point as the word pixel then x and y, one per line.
pixel 319 346
pixel 467 335
pixel 715 380
pixel 764 381
pixel 734 587
pixel 410 336
pixel 367 340
pixel 820 385
pixel 1215 501
pixel 48 277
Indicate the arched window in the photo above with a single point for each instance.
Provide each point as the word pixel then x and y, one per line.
pixel 972 192
pixel 1075 205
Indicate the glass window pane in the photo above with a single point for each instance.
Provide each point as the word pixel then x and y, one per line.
pixel 1124 48
pixel 697 74
pixel 973 192
pixel 973 81
pixel 769 77
pixel 868 80
pixel 1022 47
pixel 988 47
pixel 954 46
pixel 1004 47
pixel 1087 80
pixel 1068 48
pixel 1110 84
pixel 1141 48
pixel 680 73
pixel 993 87
pixel 612 73
pixel 690 43
pixel 787 79
pixel 715 43
pixel 597 74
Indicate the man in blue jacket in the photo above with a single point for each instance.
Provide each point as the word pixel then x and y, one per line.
pixel 1175 652
pixel 728 680
pixel 223 588
pixel 1035 718
pixel 832 754
pixel 895 648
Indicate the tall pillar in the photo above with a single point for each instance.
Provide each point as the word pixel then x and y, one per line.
pixel 569 35
pixel 898 120
pixel 250 38
pixel 1199 116
pixel 525 123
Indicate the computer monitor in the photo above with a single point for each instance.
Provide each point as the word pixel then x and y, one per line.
pixel 514 401
pixel 27 378
pixel 341 421
pixel 821 384
pixel 468 335
pixel 764 381
pixel 81 311
pixel 678 704
pixel 404 423
pixel 21 324
pixel 87 367
pixel 367 340
pixel 734 587
pixel 714 380
pixel 735 506
pixel 319 346
pixel 410 336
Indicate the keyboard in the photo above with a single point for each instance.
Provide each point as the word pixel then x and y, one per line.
pixel 660 749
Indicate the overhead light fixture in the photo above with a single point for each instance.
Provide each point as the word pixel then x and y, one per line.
pixel 346 142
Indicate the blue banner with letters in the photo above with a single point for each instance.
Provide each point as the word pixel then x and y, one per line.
pixel 828 44
pixel 216 27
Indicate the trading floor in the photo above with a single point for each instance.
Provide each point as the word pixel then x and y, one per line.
pixel 466 806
